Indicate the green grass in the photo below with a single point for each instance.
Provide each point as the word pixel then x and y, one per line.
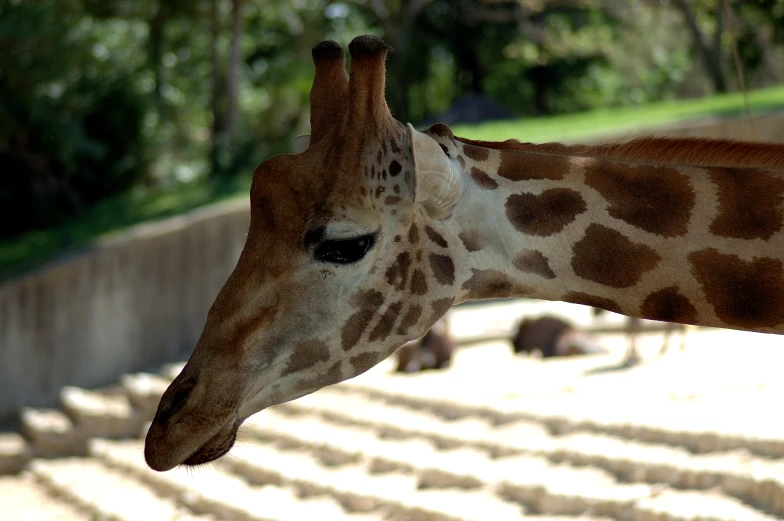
pixel 601 122
pixel 34 248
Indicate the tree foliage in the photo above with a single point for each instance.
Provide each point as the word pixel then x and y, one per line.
pixel 102 96
pixel 71 112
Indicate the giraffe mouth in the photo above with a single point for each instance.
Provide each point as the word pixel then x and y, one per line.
pixel 215 447
pixel 167 447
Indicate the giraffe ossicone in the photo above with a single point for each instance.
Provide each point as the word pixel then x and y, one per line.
pixel 368 234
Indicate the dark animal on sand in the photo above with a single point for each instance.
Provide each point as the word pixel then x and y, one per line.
pixel 552 336
pixel 433 351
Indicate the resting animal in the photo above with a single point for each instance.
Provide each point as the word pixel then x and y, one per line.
pixel 433 351
pixel 552 336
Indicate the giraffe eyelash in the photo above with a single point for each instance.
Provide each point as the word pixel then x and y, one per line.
pixel 345 251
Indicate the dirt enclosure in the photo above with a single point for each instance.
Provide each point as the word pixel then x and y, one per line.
pixel 693 435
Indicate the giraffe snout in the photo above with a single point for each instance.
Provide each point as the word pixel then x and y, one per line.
pixel 174 399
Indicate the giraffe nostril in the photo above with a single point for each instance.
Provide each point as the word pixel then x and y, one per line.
pixel 174 399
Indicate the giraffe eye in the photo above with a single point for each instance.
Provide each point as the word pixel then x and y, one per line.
pixel 344 251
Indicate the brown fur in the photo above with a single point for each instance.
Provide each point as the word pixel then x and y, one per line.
pixel 660 150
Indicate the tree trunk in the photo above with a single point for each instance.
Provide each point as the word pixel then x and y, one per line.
pixel 397 22
pixel 397 74
pixel 233 78
pixel 155 52
pixel 710 56
pixel 217 131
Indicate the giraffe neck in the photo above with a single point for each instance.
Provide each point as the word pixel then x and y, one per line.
pixel 698 244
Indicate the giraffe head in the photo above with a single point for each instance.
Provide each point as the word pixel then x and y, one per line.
pixel 341 266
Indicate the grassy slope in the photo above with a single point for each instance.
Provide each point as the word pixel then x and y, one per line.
pixel 34 248
pixel 600 122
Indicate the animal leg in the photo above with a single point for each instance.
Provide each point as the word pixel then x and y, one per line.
pixel 668 328
pixel 632 356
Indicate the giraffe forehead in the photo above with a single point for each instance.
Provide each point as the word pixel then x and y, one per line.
pixel 291 195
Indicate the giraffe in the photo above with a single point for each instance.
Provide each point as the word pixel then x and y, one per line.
pixel 373 230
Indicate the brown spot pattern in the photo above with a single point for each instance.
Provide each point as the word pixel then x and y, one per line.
pixel 657 199
pixel 546 213
pixel 483 180
pixel 394 168
pixel 440 307
pixel 585 299
pixel 522 166
pixel 476 153
pixel 397 273
pixel 392 199
pixel 306 354
pixel 413 234
pixel 364 361
pixel 409 319
pixel 443 268
pixel 386 322
pixel 471 239
pixel 533 261
pixel 418 283
pixel 749 203
pixel 436 237
pixel 354 327
pixel 744 294
pixel 440 129
pixel 668 305
pixel 369 302
pixel 491 284
pixel 606 256
pixel 333 375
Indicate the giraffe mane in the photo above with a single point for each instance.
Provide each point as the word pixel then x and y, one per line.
pixel 661 150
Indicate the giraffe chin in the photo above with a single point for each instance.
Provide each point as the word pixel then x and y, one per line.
pixel 215 447
pixel 164 449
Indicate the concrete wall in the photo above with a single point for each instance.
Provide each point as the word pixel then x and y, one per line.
pixel 141 299
pixel 133 301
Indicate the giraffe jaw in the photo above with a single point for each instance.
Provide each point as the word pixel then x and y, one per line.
pixel 164 449
pixel 215 447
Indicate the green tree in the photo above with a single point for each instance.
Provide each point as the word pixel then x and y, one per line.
pixel 71 112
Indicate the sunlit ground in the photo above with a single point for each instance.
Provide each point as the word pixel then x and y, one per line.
pixel 689 435
pixel 723 382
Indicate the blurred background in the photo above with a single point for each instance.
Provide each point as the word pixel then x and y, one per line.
pixel 116 111
pixel 124 122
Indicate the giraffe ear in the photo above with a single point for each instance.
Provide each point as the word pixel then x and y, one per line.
pixel 300 143
pixel 437 181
